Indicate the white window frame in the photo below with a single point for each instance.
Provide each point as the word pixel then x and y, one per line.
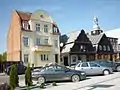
pixel 24 42
pixel 100 47
pixel 46 28
pixel 26 56
pixel 56 43
pixel 108 48
pixel 36 42
pixel 44 57
pixel 37 27
pixel 104 48
pixel 72 57
pixel 46 40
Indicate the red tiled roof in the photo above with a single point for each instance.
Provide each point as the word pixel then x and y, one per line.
pixel 24 15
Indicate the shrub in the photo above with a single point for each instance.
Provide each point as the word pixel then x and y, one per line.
pixel 42 85
pixel 28 88
pixel 28 76
pixel 13 77
pixel 54 84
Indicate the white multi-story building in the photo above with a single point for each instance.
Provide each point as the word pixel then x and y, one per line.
pixel 33 38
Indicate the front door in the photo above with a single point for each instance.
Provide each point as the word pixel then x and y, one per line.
pixel 66 61
pixel 56 58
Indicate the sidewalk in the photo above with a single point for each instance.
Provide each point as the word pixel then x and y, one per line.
pixel 2 74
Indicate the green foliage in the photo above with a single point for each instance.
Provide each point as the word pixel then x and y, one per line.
pixel 0 57
pixel 54 84
pixel 28 76
pixel 3 57
pixel 13 81
pixel 28 88
pixel 42 85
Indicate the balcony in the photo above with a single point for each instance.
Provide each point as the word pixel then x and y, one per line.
pixel 42 48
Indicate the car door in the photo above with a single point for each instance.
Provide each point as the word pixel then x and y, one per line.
pixel 85 67
pixel 95 68
pixel 49 73
pixel 62 73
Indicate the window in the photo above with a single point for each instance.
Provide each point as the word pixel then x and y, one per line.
pixel 38 41
pixel 41 57
pixel 93 65
pixel 46 41
pixel 55 30
pixel 44 57
pixel 26 58
pixel 50 68
pixel 84 65
pixel 25 25
pixel 74 58
pixel 37 27
pixel 108 47
pixel 56 43
pixel 100 47
pixel 104 48
pixel 25 41
pixel 59 68
pixel 46 28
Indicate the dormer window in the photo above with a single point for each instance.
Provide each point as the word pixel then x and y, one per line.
pixel 55 30
pixel 25 25
pixel 41 16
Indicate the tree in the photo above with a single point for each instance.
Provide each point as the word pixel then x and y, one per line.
pixel 13 77
pixel 4 56
pixel 63 39
pixel 0 57
pixel 28 76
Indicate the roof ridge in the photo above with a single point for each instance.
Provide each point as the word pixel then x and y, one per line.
pixel 19 11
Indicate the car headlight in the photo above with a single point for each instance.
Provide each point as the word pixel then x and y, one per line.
pixel 82 73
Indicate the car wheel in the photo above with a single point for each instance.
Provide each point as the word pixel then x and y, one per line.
pixel 118 68
pixel 41 80
pixel 75 78
pixel 106 72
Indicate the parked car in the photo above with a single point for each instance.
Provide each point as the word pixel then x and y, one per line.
pixel 20 69
pixel 56 72
pixel 92 68
pixel 114 65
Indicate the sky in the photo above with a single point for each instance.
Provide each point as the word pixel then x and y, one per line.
pixel 69 15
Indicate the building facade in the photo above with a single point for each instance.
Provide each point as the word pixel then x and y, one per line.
pixel 33 38
pixel 77 48
pixel 80 46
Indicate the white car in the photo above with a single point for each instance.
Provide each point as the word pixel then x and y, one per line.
pixel 91 68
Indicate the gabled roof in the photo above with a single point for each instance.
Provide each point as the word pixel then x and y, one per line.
pixel 115 33
pixel 72 36
pixel 95 39
pixel 24 15
pixel 70 42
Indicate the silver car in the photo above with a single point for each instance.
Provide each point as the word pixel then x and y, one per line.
pixel 91 68
pixel 56 72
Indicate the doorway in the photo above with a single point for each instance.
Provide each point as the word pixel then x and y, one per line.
pixel 66 61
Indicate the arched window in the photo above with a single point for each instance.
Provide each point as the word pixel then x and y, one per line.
pixel 108 48
pixel 104 48
pixel 100 47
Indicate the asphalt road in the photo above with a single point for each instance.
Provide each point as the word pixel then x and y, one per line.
pixel 108 82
